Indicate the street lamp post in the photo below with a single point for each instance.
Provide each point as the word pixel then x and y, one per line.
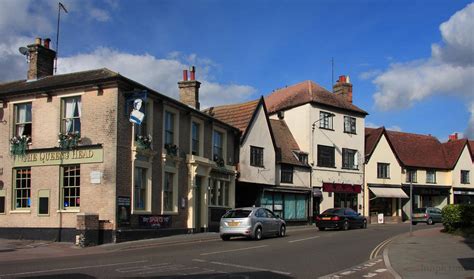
pixel 411 207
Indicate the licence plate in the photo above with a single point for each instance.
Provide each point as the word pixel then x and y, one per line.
pixel 326 218
pixel 233 224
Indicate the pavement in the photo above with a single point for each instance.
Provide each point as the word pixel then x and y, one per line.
pixel 427 253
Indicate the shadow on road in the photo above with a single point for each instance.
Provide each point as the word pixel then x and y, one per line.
pixel 63 276
pixel 236 275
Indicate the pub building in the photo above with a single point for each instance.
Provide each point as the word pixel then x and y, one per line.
pixel 95 157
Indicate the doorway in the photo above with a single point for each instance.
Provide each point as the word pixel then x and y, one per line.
pixel 197 202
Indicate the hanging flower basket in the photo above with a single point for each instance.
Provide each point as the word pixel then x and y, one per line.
pixel 19 144
pixel 143 143
pixel 219 161
pixel 69 140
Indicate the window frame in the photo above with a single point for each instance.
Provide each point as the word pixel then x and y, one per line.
pixel 383 168
pixel 195 138
pixel 143 187
pixel 428 173
pixel 21 180
pixel 64 119
pixel 346 154
pixel 326 121
pixel 169 134
pixel 257 156
pixel 16 122
pixel 224 143
pixel 75 186
pixel 351 123
pixel 411 178
pixel 465 177
pixel 218 192
pixel 286 173
pixel 320 159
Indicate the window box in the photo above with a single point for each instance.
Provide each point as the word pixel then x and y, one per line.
pixel 171 149
pixel 69 140
pixel 143 142
pixel 219 161
pixel 19 145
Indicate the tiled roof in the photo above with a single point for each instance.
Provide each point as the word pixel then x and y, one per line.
pixel 237 115
pixel 471 144
pixel 307 92
pixel 51 82
pixel 415 150
pixel 453 149
pixel 285 141
pixel 372 136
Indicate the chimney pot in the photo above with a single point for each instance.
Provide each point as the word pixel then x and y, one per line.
pixel 342 79
pixel 193 72
pixel 453 137
pixel 185 75
pixel 46 42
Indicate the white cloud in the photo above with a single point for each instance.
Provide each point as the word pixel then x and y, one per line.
pixel 369 74
pixel 449 70
pixel 99 15
pixel 159 74
pixel 391 128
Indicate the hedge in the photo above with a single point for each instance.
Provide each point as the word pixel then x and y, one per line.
pixel 457 216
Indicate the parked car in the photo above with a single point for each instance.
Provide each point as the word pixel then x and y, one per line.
pixel 428 215
pixel 253 222
pixel 340 218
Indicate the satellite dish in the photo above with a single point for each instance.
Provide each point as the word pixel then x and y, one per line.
pixel 23 50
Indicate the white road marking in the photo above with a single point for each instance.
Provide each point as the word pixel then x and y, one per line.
pixel 177 267
pixel 140 268
pixel 381 270
pixel 370 275
pixel 347 272
pixel 251 268
pixel 234 250
pixel 199 260
pixel 70 268
pixel 303 239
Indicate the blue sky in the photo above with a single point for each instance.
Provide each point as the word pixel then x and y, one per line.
pixel 411 62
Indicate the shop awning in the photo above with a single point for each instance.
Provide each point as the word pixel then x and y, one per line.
pixel 388 192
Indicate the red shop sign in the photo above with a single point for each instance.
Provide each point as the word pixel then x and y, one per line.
pixel 341 188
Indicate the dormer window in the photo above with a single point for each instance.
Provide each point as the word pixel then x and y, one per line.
pixel 301 156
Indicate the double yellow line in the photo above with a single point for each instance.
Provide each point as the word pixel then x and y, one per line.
pixel 380 247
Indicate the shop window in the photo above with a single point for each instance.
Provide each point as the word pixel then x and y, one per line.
pixel 286 174
pixel 140 193
pixel 325 120
pixel 22 188
pixel 430 176
pixel 256 156
pixel 349 159
pixel 349 125
pixel 411 175
pixel 71 115
pixel 465 177
pixel 71 186
pixel 218 192
pixel 326 156
pixel 23 122
pixel 295 207
pixel 383 170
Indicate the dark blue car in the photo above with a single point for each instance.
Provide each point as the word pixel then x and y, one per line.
pixel 340 218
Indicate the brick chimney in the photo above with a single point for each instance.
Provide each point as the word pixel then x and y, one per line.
pixel 453 137
pixel 343 87
pixel 41 59
pixel 189 89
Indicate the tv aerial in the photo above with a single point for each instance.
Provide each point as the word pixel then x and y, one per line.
pixel 24 51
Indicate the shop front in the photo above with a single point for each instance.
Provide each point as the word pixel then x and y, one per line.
pixel 425 196
pixel 290 204
pixel 463 195
pixel 387 201
pixel 344 195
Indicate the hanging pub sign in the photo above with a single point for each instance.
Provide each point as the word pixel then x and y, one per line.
pixel 136 116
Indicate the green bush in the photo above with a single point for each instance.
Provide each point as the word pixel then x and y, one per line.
pixel 457 216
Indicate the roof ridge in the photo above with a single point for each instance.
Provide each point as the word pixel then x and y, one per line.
pixel 235 104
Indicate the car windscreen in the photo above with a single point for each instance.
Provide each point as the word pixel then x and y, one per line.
pixel 419 210
pixel 237 214
pixel 334 211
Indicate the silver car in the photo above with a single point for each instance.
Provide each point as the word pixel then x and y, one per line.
pixel 253 222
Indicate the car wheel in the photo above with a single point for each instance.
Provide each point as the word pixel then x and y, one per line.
pixel 414 223
pixel 345 226
pixel 258 233
pixel 430 221
pixel 225 237
pixel 364 224
pixel 282 231
pixel 321 228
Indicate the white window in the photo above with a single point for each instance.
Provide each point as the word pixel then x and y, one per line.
pixel 349 159
pixel 169 128
pixel 71 115
pixel 71 186
pixel 325 120
pixel 22 188
pixel 195 138
pixel 218 192
pixel 23 123
pixel 349 125
pixel 168 197
pixel 465 177
pixel 430 176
